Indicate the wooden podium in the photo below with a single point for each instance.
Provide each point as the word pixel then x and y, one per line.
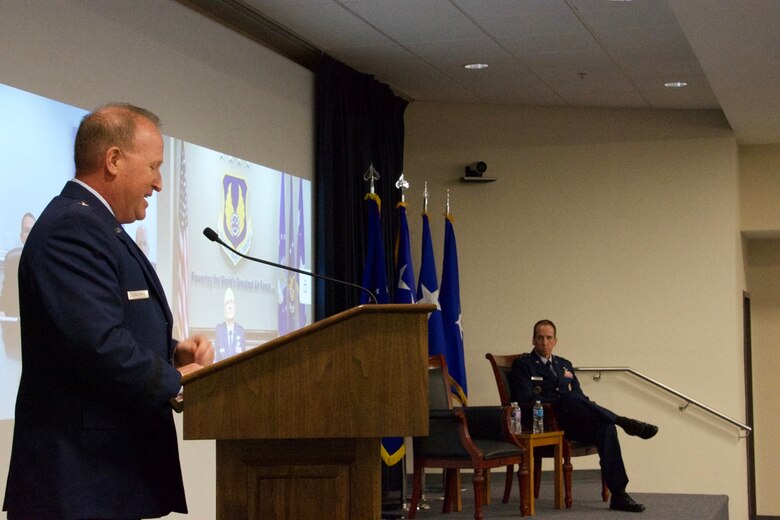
pixel 298 420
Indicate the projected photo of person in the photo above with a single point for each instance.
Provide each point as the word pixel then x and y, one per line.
pixel 142 241
pixel 230 336
pixel 9 296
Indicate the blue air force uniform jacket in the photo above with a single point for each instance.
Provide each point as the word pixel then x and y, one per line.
pixel 531 380
pixel 94 435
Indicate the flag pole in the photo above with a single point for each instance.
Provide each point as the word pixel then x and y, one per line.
pixel 402 184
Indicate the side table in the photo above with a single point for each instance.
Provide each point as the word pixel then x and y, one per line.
pixel 535 440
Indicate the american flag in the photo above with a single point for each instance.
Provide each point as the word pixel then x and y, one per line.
pixel 301 246
pixel 183 270
pixel 282 323
pixel 292 279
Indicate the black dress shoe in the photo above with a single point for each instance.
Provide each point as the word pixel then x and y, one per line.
pixel 623 502
pixel 639 429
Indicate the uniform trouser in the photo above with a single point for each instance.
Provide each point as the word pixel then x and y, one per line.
pixel 585 421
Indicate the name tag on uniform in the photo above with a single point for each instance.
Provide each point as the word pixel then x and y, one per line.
pixel 537 378
pixel 138 295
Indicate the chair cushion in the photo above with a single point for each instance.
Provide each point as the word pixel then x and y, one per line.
pixel 496 449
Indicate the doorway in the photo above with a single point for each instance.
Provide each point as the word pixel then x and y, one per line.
pixel 748 353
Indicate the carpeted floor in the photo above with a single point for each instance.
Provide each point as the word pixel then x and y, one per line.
pixel 587 504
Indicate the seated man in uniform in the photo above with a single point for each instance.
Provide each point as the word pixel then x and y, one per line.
pixel 550 379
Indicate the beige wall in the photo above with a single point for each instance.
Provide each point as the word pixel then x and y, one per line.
pixel 760 191
pixel 623 227
pixel 759 185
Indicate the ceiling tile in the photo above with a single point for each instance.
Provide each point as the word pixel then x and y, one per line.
pixel 569 65
pixel 605 15
pixel 459 52
pixel 325 24
pixel 410 21
pixel 565 42
pixel 520 19
pixel 696 95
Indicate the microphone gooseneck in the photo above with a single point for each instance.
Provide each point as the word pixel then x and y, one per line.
pixel 214 237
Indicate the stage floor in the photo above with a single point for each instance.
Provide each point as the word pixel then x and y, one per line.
pixel 587 504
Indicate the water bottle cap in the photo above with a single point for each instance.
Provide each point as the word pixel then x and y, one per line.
pixel 513 404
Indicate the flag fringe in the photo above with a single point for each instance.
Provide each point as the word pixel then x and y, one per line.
pixel 394 458
pixel 375 198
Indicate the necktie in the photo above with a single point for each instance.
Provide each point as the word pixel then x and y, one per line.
pixel 551 368
pixel 230 338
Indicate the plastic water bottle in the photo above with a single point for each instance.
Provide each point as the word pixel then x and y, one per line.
pixel 515 423
pixel 538 417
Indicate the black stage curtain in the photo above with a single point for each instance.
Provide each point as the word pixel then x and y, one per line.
pixel 359 122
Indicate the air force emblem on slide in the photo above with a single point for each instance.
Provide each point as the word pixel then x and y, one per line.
pixel 236 227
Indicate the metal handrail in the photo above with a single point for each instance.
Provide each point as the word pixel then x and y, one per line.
pixel 688 401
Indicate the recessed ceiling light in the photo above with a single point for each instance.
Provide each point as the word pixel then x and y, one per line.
pixel 675 84
pixel 476 66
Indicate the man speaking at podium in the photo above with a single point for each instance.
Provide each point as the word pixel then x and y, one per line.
pixel 94 436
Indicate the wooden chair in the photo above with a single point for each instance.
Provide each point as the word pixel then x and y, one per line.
pixel 475 437
pixel 502 366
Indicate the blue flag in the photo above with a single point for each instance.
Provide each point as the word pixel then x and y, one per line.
pixel 393 449
pixel 450 309
pixel 374 273
pixel 428 291
pixel 404 270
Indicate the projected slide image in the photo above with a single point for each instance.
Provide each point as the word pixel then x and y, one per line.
pixel 260 211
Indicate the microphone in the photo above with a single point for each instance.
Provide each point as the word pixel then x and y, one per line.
pixel 212 235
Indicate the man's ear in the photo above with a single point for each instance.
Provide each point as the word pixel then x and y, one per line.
pixel 113 156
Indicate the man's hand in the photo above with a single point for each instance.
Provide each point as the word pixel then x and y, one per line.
pixel 197 349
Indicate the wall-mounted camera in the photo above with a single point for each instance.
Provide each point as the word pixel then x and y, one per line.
pixel 474 172
pixel 476 169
